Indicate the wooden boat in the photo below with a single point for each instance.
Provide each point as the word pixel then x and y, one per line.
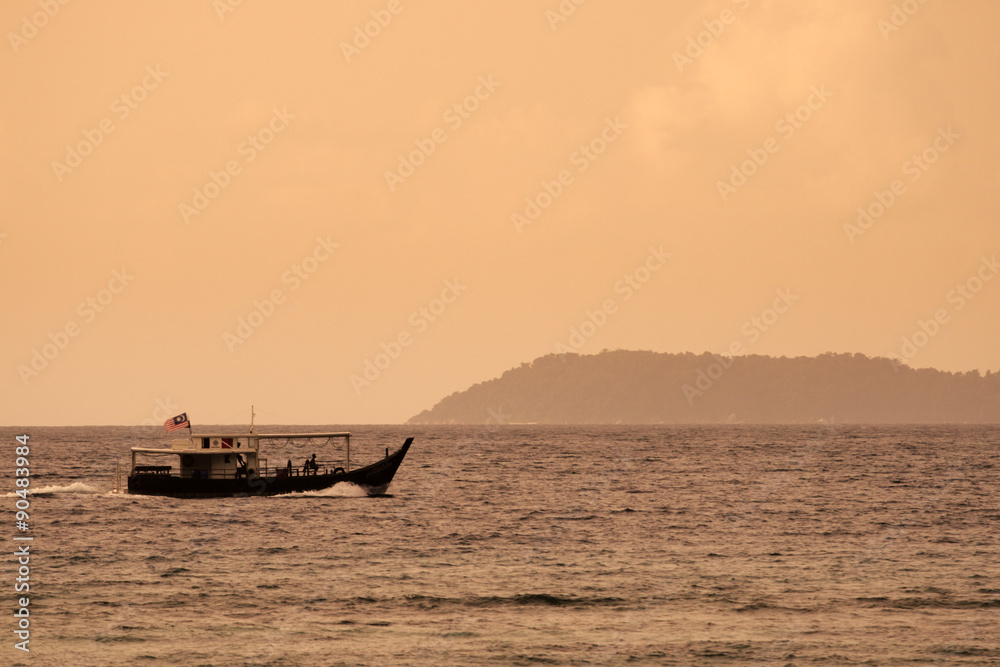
pixel 230 464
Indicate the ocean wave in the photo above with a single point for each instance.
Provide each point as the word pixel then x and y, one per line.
pixel 519 600
pixel 524 599
pixel 970 650
pixel 923 603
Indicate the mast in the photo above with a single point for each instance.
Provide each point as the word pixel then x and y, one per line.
pixel 251 418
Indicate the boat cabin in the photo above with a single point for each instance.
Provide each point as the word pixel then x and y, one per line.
pixel 207 456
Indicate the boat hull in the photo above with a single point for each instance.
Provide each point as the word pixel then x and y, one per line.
pixel 374 479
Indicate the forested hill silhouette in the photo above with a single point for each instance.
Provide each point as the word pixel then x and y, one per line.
pixel 648 387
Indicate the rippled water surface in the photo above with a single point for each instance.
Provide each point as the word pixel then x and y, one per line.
pixel 532 545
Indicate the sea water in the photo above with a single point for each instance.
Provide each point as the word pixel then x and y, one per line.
pixel 527 545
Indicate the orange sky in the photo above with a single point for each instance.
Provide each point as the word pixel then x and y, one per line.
pixel 399 215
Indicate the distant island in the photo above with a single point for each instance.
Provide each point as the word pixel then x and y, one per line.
pixel 634 387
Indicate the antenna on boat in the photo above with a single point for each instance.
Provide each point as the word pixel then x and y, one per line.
pixel 251 418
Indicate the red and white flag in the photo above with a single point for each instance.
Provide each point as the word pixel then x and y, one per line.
pixel 178 422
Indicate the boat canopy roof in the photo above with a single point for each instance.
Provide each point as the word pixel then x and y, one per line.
pixel 343 434
pixel 181 452
pixel 189 445
pixel 252 434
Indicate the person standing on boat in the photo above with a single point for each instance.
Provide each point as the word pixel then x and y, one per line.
pixel 305 467
pixel 313 465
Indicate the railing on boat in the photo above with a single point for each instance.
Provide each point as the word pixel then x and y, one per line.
pixel 153 470
pixel 324 468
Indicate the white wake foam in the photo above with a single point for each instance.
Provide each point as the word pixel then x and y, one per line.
pixel 341 490
pixel 75 487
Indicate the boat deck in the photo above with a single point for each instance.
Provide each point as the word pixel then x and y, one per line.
pixel 324 468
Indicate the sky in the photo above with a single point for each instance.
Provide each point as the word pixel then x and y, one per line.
pixel 342 212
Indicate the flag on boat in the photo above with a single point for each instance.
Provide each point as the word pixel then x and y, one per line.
pixel 178 422
pixel 227 443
